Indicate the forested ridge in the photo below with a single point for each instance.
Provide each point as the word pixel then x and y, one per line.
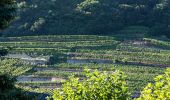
pixel 90 16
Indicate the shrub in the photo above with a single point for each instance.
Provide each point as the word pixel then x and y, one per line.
pixel 96 86
pixel 6 82
pixel 7 12
pixel 160 90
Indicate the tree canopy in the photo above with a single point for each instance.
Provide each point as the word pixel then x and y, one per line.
pixel 159 90
pixel 7 10
pixel 90 16
pixel 97 86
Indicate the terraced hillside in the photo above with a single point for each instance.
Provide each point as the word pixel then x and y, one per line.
pixel 140 59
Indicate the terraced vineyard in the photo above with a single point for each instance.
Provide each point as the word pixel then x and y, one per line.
pixel 140 59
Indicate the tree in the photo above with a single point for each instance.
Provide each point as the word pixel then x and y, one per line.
pixel 96 86
pixel 159 90
pixel 3 51
pixel 8 75
pixel 160 24
pixel 7 12
pixel 8 91
pixel 103 16
pixel 6 82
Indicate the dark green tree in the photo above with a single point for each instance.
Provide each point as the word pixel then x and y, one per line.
pixel 6 82
pixel 3 52
pixel 7 12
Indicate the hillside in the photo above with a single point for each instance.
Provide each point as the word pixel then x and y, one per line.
pixel 141 59
pixel 89 17
pixel 52 44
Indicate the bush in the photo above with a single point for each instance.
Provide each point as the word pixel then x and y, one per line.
pixel 7 12
pixel 8 91
pixel 3 52
pixel 160 90
pixel 96 86
pixel 6 82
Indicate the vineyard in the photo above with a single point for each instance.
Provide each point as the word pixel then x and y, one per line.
pixel 140 59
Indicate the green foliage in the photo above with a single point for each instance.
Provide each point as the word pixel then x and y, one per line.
pixel 7 10
pixel 6 82
pixel 3 52
pixel 9 70
pixel 87 6
pixel 96 86
pixel 159 90
pixel 8 91
pixel 91 17
pixel 37 24
pixel 13 67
